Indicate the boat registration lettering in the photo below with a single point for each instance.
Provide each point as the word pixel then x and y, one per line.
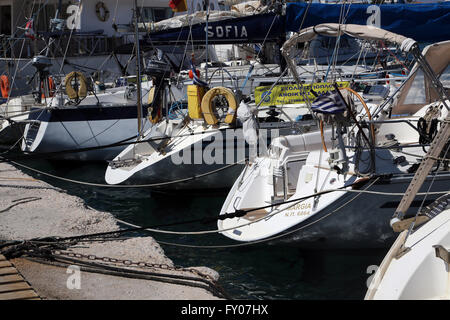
pixel 300 209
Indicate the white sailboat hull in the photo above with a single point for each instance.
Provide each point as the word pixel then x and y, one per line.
pixel 418 273
pixel 193 164
pixel 60 140
pixel 344 220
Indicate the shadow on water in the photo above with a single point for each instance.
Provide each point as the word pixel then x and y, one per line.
pixel 246 272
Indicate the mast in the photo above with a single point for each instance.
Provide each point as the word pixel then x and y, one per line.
pixel 138 69
pixel 55 24
pixel 207 49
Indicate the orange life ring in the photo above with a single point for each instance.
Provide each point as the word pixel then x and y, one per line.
pixel 4 86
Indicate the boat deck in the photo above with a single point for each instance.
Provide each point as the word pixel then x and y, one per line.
pixel 12 285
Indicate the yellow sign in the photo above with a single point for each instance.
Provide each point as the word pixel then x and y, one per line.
pixel 292 93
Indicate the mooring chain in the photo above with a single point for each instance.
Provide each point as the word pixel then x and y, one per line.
pixel 130 263
pixel 54 253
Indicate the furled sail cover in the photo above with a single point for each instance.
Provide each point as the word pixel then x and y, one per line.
pixel 422 22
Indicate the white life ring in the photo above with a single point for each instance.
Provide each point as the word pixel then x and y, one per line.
pixel 102 11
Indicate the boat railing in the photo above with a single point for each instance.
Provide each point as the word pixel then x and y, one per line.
pixel 75 45
pixel 437 206
pixel 284 183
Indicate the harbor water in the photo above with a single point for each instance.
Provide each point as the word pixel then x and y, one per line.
pixel 246 271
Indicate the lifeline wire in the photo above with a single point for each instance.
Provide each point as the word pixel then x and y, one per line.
pixel 151 228
pixel 237 213
pixel 129 186
pixel 266 239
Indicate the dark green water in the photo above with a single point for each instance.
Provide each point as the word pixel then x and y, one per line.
pixel 246 272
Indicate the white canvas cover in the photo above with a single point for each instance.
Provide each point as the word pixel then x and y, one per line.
pixel 237 11
pixel 248 7
pixel 190 19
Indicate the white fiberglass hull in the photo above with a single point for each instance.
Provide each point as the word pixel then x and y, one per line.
pixel 339 219
pixel 195 162
pixel 345 220
pixel 329 206
pixel 414 269
pixel 59 133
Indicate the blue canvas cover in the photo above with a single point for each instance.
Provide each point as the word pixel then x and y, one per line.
pixel 421 22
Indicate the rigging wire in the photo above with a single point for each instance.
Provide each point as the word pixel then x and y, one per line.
pixel 17 64
pixel 236 214
pixel 151 229
pixel 159 184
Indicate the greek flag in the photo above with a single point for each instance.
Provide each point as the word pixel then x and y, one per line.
pixel 196 79
pixel 329 103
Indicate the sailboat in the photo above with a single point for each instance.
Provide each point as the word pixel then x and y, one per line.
pixel 94 37
pixel 91 130
pixel 340 195
pixel 75 118
pixel 94 40
pixel 97 126
pixel 194 152
pixel 417 264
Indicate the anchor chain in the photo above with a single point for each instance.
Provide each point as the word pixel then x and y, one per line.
pixel 130 263
pixel 56 254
